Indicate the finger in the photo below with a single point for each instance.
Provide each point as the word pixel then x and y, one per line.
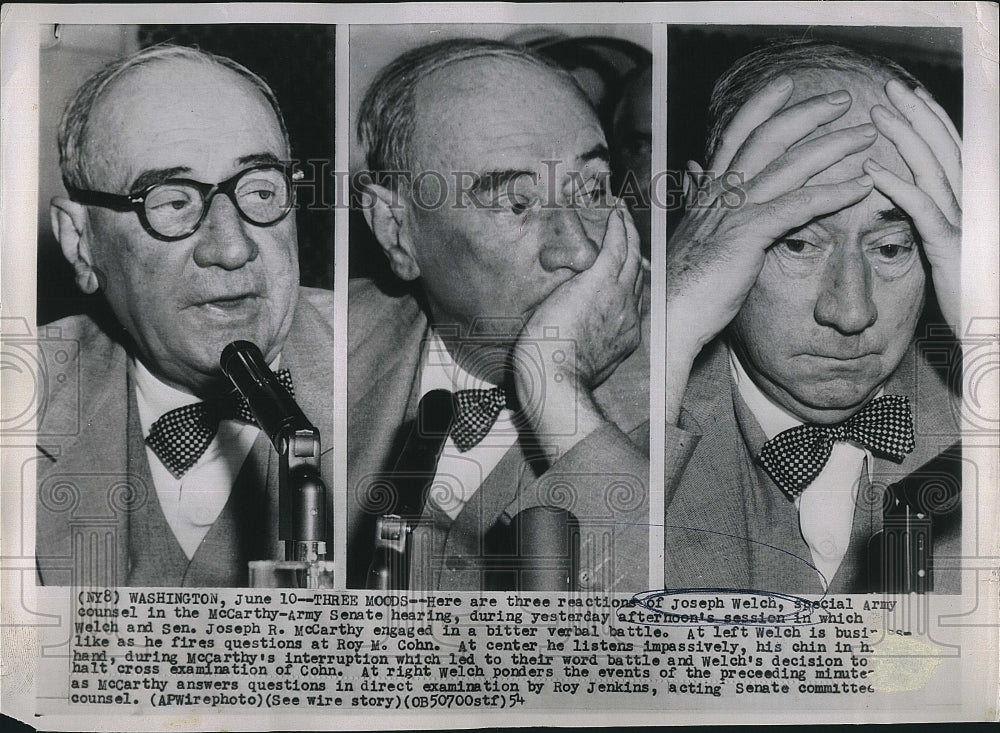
pixel 929 126
pixel 778 134
pixel 932 224
pixel 928 174
pixel 614 246
pixel 633 259
pixel 758 110
pixel 796 208
pixel 794 169
pixel 693 176
pixel 942 115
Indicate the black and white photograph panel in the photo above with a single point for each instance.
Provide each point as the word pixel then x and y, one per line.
pixel 498 340
pixel 184 300
pixel 813 288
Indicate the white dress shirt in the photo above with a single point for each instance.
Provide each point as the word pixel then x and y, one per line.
pixel 826 506
pixel 459 475
pixel 192 503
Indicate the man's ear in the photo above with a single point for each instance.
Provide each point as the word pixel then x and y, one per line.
pixel 387 214
pixel 69 223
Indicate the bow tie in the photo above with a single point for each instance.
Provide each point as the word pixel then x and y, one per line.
pixel 795 457
pixel 475 412
pixel 181 436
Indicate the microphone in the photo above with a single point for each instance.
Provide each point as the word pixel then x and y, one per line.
pixel 272 407
pixel 301 492
pixel 548 544
pixel 922 510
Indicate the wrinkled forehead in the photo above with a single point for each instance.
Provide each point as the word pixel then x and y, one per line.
pixel 490 107
pixel 175 113
pixel 866 91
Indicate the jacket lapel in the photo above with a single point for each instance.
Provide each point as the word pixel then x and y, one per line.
pixel 385 339
pixel 706 524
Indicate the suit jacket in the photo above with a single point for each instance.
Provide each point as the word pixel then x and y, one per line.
pixel 727 525
pixel 602 480
pixel 98 518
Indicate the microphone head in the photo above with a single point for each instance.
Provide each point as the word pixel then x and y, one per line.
pixel 236 348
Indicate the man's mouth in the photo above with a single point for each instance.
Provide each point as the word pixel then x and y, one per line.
pixel 845 359
pixel 227 302
pixel 842 357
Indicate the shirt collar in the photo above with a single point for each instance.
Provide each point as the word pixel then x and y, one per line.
pixel 772 417
pixel 438 370
pixel 156 398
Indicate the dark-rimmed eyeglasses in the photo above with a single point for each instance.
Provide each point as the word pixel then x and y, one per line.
pixel 174 209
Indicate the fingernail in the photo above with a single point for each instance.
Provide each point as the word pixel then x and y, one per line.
pixel 879 111
pixel 840 97
pixel 923 94
pixel 869 163
pixel 868 130
pixel 896 86
pixel 782 83
pixel 864 181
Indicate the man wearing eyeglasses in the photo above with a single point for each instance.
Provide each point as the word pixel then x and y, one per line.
pixel 178 213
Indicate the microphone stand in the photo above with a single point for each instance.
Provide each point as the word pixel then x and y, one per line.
pixel 301 491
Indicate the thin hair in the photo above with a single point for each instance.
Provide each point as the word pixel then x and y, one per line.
pixel 74 127
pixel 756 70
pixel 386 118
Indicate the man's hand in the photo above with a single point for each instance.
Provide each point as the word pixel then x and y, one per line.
pixel 718 249
pixel 592 322
pixel 931 147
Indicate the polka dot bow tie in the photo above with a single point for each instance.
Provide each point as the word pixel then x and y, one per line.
pixel 476 411
pixel 181 436
pixel 795 457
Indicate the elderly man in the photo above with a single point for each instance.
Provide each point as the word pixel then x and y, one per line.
pixel 175 162
pixel 525 284
pixel 793 303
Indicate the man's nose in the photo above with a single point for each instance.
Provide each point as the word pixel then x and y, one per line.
pixel 223 237
pixel 571 240
pixel 845 298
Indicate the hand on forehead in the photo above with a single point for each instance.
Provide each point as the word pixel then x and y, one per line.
pixel 866 92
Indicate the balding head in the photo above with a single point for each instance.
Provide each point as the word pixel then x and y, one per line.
pixel 816 61
pixel 387 116
pixel 78 154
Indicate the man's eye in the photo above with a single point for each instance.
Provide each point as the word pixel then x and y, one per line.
pixel 516 204
pixel 799 247
pixel 892 249
pixel 260 190
pixel 170 198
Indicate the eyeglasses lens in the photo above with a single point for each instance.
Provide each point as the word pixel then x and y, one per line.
pixel 263 196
